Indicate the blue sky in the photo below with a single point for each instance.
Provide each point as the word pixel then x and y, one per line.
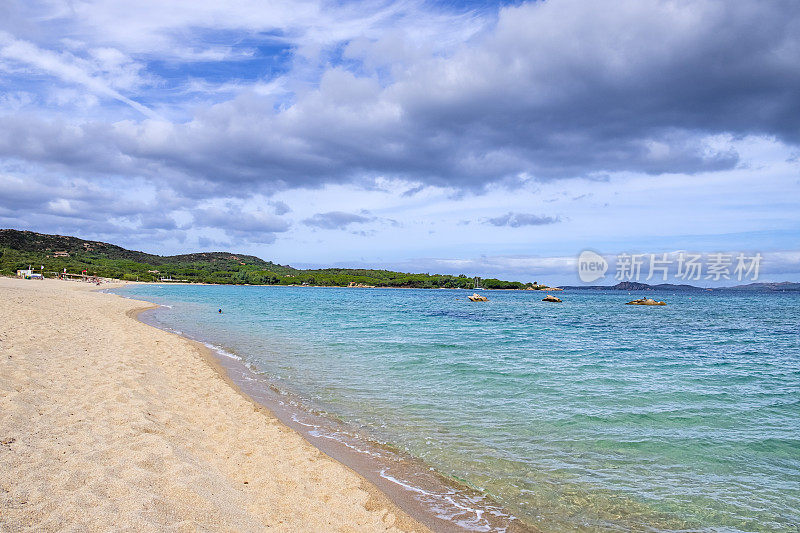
pixel 490 138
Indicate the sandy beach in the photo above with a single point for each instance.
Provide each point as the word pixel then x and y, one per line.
pixel 107 423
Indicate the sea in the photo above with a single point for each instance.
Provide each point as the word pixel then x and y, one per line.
pixel 585 415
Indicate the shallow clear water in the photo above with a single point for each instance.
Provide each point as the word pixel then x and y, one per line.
pixel 583 415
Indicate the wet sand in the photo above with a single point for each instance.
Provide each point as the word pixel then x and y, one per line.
pixel 107 423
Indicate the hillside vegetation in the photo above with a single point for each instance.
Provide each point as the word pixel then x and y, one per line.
pixel 21 249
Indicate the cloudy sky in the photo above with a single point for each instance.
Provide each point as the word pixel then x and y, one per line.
pixel 490 138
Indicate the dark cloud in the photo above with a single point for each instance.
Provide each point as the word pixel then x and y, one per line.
pixel 58 196
pixel 162 222
pixel 253 227
pixel 336 220
pixel 96 228
pixel 207 243
pixel 124 211
pixel 412 191
pixel 280 208
pixel 516 220
pixel 554 90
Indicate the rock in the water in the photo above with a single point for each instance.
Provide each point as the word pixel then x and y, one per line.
pixel 645 301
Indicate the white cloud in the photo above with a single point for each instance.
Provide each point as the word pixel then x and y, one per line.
pixel 110 70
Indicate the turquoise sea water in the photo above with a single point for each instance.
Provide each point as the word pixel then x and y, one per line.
pixel 586 415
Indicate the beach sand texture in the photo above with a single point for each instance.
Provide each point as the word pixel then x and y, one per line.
pixel 107 423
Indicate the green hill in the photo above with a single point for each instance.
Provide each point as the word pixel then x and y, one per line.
pixel 19 249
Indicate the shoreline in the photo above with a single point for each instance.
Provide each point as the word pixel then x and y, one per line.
pixel 424 494
pixel 552 289
pixel 108 423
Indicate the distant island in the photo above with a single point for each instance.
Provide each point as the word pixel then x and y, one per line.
pixel 784 286
pixel 635 286
pixel 21 249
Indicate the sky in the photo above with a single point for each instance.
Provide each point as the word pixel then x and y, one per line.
pixel 494 139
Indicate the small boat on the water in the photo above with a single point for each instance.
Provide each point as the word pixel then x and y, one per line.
pixel 645 301
pixel 551 298
pixel 477 298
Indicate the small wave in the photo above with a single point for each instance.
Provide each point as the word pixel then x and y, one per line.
pixel 341 440
pixel 297 420
pixel 222 351
pixel 403 484
pixel 478 523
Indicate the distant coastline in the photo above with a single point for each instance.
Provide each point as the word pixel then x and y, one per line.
pixel 783 286
pixel 53 255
